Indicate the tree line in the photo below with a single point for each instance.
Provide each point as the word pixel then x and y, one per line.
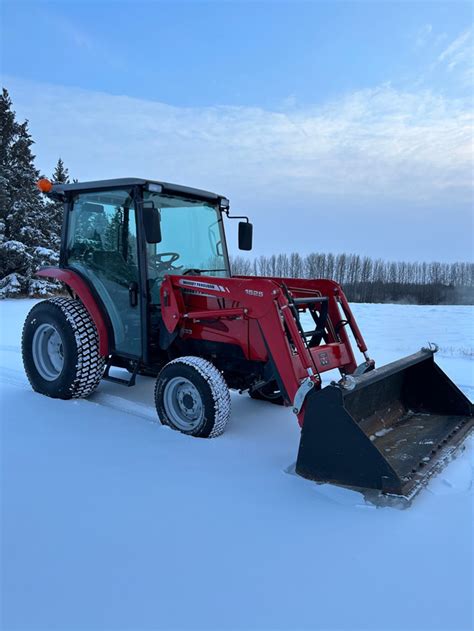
pixel 371 280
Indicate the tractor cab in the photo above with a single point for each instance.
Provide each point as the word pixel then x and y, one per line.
pixel 124 236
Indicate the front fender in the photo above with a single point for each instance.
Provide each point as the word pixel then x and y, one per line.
pixel 80 287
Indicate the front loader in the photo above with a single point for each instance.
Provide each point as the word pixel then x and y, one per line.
pixel 151 290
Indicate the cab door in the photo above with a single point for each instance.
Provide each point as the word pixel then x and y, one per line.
pixel 102 246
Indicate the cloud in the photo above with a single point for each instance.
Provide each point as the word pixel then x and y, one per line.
pixel 406 145
pixel 370 148
pixel 459 49
pixel 72 32
pixel 86 44
pixel 460 55
pixel 423 35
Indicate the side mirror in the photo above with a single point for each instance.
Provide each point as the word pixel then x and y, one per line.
pixel 245 235
pixel 151 222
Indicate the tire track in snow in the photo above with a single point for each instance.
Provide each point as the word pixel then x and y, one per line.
pixel 13 377
pixel 10 348
pixel 124 405
pixel 17 378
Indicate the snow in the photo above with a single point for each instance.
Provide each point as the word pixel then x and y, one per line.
pixel 111 521
pixel 46 252
pixel 14 245
pixel 9 285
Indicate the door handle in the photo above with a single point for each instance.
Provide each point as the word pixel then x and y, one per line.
pixel 133 293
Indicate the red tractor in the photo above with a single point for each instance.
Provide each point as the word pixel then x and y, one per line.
pixel 151 290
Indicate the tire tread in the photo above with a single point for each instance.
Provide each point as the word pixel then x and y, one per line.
pixel 219 390
pixel 90 364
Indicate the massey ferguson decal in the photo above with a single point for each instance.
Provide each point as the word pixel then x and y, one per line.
pixel 200 285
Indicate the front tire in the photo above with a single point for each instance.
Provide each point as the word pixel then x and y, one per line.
pixel 192 397
pixel 60 348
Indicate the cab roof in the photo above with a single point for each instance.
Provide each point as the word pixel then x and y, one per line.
pixel 135 181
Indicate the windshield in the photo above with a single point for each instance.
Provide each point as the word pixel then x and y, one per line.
pixel 192 240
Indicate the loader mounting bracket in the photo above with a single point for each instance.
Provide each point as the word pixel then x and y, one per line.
pixel 306 386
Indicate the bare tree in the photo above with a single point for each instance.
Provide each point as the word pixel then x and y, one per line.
pixel 368 280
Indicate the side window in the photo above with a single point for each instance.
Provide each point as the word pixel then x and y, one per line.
pixel 102 233
pixel 102 245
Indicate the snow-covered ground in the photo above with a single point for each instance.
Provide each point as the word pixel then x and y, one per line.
pixel 111 521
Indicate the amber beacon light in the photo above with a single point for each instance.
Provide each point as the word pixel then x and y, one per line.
pixel 44 185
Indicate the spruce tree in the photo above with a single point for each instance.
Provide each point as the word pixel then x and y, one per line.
pixel 61 174
pixel 8 128
pixel 55 209
pixel 25 236
pixel 25 221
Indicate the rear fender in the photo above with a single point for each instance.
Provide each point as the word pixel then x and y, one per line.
pixel 80 287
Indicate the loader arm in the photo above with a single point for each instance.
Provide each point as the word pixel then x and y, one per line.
pixel 301 288
pixel 274 305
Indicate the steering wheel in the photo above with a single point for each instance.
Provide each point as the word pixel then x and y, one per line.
pixel 160 264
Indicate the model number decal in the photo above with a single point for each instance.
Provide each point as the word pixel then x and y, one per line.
pixel 254 292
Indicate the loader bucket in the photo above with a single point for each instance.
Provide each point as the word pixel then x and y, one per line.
pixel 391 432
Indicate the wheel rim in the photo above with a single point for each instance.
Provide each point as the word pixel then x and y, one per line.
pixel 48 354
pixel 183 404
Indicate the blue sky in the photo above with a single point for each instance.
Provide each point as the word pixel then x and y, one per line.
pixel 232 53
pixel 312 109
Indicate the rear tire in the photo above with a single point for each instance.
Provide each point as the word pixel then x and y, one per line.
pixel 192 397
pixel 60 348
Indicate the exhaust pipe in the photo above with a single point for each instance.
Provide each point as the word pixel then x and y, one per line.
pixel 391 432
